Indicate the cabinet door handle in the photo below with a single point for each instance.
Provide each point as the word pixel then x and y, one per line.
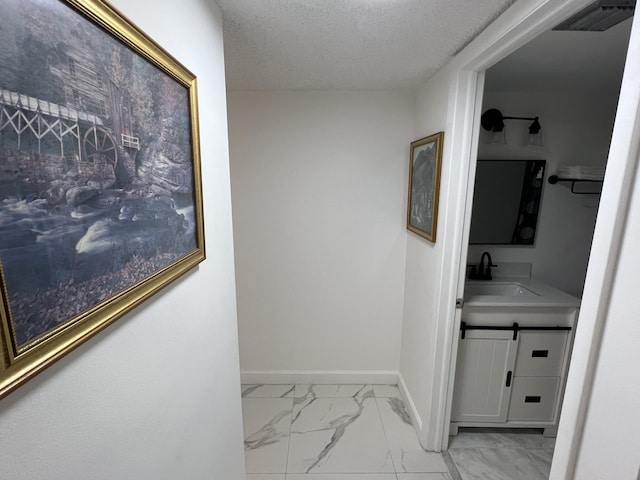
pixel 509 373
pixel 540 353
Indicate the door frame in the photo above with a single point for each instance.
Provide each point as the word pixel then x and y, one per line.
pixel 517 26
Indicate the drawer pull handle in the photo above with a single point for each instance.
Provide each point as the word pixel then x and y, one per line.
pixel 532 399
pixel 509 373
pixel 540 353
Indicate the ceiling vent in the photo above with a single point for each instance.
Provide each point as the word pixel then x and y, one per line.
pixel 599 16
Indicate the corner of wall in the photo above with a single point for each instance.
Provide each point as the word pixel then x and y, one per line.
pixel 416 419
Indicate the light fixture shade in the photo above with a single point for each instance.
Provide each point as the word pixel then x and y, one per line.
pixel 499 137
pixel 535 139
pixel 535 127
pixel 535 134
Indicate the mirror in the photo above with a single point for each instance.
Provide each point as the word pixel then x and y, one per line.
pixel 506 200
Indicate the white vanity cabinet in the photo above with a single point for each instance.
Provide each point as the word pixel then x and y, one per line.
pixel 511 366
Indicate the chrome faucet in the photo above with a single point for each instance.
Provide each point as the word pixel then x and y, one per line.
pixel 482 272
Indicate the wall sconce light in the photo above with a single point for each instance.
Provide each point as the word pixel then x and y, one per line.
pixel 493 121
pixel 535 134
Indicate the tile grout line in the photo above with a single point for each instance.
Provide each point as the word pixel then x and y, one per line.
pixel 293 401
pixel 386 437
pixel 451 465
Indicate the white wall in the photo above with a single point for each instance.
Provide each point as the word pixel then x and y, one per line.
pixel 577 129
pixel 156 395
pixel 612 429
pixel 319 187
pixel 423 266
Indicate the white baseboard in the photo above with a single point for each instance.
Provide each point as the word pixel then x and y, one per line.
pixel 319 377
pixel 410 404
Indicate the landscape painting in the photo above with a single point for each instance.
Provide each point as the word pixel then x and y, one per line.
pixel 100 194
pixel 424 185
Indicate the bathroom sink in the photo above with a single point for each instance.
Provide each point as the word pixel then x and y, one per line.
pixel 499 289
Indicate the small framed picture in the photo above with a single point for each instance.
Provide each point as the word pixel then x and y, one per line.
pixel 424 185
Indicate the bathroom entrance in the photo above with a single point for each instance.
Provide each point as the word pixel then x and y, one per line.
pixel 546 115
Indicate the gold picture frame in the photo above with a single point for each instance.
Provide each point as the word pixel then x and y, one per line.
pixel 425 163
pixel 101 190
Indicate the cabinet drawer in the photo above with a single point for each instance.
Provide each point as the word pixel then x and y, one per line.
pixel 533 399
pixel 540 354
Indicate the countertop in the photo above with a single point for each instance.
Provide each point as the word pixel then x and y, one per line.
pixel 547 296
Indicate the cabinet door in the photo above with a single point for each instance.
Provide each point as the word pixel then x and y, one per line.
pixel 481 394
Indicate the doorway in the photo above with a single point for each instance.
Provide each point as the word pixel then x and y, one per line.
pixel 550 81
pixel 515 28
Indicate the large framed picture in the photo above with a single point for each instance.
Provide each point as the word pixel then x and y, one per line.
pixel 100 182
pixel 424 185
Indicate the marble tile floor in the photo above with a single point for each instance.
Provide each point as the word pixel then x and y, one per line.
pixel 333 432
pixel 501 454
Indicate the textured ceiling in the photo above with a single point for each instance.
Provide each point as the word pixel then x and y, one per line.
pixel 346 44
